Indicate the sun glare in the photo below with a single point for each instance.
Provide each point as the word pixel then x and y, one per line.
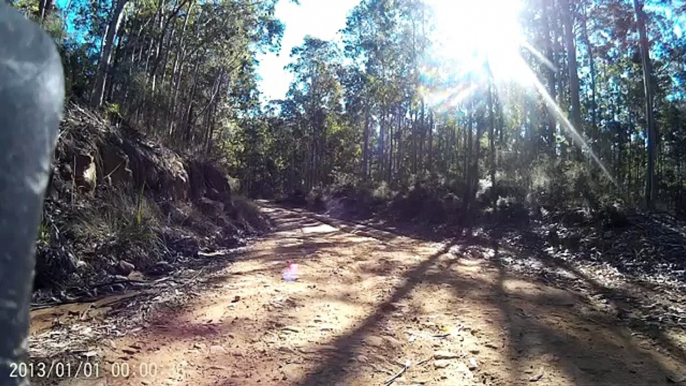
pixel 472 33
pixel 479 43
pixel 476 42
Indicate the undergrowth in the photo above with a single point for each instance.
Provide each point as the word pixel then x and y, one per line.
pixel 439 199
pixel 124 224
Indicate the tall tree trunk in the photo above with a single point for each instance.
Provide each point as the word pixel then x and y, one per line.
pixel 45 7
pixel 465 152
pixel 550 55
pixel 187 112
pixel 422 137
pixel 430 159
pixel 106 57
pixel 414 141
pixel 112 71
pixel 651 129
pixel 164 27
pixel 389 172
pixel 177 69
pixel 491 139
pixel 468 161
pixel 158 46
pixel 382 144
pixel 477 156
pixel 631 173
pixel 591 68
pixel 572 66
pixel 454 144
pixel 365 150
pixel 399 141
pixel 680 182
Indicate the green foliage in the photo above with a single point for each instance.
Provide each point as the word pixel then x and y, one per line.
pixel 359 113
pixel 183 70
pixel 383 192
pixel 44 233
pixel 112 109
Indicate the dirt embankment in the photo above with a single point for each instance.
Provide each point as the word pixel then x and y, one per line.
pixel 121 207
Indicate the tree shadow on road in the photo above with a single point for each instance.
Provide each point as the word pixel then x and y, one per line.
pixel 349 342
pixel 531 324
pixel 544 330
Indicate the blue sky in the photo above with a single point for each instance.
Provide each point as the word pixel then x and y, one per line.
pixel 318 18
pixel 62 4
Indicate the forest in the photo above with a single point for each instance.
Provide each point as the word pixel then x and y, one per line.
pixel 584 105
pixel 450 192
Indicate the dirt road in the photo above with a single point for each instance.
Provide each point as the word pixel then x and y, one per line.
pixel 368 305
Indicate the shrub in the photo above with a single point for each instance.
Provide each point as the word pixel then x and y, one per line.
pixel 249 213
pixel 126 226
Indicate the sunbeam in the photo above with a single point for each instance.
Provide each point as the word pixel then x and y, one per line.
pixel 576 136
pixel 485 46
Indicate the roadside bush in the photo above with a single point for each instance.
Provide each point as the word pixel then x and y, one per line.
pixel 383 192
pixel 249 214
pixel 125 227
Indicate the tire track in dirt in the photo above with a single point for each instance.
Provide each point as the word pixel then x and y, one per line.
pixel 364 307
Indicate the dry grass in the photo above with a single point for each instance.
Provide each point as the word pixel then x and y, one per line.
pixel 124 225
pixel 248 213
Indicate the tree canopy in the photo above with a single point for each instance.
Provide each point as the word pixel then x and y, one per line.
pixel 568 101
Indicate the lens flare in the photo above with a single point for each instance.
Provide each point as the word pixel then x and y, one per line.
pixel 291 272
pixel 471 32
pixel 479 43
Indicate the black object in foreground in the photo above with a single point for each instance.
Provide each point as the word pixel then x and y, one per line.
pixel 31 101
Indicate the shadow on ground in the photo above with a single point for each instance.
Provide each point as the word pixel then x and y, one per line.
pixel 519 329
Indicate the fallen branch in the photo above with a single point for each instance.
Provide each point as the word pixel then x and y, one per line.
pixel 192 280
pixel 399 374
pixel 122 281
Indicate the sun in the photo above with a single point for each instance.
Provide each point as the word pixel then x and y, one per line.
pixel 480 37
pixel 479 43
